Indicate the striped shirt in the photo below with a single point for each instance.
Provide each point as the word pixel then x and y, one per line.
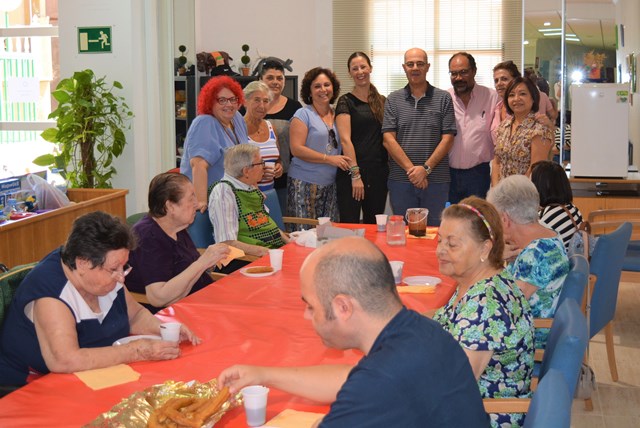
pixel 556 218
pixel 269 153
pixel 419 125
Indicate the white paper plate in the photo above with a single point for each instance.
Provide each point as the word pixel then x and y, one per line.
pixel 256 275
pixel 128 339
pixel 422 280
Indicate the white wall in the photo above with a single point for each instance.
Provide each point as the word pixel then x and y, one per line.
pixel 296 29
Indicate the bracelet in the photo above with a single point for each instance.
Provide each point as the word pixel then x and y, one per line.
pixel 324 158
pixel 356 177
pixel 354 170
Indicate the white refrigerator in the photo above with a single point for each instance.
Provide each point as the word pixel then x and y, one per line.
pixel 599 130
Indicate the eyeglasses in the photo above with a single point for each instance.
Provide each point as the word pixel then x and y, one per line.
pixel 222 100
pixel 461 73
pixel 124 271
pixel 419 64
pixel 333 142
pixel 332 138
pixel 259 163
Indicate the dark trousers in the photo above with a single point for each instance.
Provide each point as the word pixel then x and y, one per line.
pixel 375 194
pixel 469 182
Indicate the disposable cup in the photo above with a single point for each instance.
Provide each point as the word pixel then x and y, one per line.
pixel 396 268
pixel 323 220
pixel 276 258
pixel 381 221
pixel 255 404
pixel 170 331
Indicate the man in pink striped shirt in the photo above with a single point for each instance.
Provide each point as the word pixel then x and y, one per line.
pixel 472 150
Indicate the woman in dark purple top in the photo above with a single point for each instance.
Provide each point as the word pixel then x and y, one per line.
pixel 167 265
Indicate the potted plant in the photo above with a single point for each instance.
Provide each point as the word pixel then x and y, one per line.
pixel 245 60
pixel 182 60
pixel 89 133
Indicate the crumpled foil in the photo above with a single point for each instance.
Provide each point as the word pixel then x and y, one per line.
pixel 134 411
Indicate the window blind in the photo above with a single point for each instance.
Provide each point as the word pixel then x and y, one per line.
pixel 491 30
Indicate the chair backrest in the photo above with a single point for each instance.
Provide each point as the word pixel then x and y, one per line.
pixel 9 282
pixel 134 218
pixel 201 230
pixel 606 265
pixel 272 202
pixel 551 403
pixel 576 280
pixel 566 344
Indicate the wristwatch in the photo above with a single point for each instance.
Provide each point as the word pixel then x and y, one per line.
pixel 427 168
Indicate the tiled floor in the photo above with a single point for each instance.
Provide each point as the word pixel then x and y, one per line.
pixel 616 404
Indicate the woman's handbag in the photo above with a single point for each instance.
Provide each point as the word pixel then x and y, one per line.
pixel 586 382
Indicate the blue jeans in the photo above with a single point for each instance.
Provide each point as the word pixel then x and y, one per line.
pixel 469 182
pixel 405 195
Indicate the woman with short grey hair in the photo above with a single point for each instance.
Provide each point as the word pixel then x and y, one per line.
pixel 261 133
pixel 236 205
pixel 537 257
pixel 519 198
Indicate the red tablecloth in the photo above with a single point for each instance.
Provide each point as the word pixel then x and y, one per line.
pixel 240 320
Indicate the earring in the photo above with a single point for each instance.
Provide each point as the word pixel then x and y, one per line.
pixel 481 259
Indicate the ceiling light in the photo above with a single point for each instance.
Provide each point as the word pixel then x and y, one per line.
pixel 526 42
pixel 546 24
pixel 572 39
pixel 546 30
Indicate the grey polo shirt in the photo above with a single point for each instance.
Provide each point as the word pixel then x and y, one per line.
pixel 419 126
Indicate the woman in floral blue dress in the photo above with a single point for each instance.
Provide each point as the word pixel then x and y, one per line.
pixel 539 261
pixel 488 314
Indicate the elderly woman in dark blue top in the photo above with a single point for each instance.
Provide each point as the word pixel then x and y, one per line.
pixel 73 305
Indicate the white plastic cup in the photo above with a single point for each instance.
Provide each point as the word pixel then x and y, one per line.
pixel 170 331
pixel 396 268
pixel 323 220
pixel 255 404
pixel 381 221
pixel 276 258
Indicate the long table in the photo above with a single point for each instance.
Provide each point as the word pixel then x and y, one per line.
pixel 240 320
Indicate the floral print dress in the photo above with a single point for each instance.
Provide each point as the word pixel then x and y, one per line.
pixel 495 316
pixel 544 264
pixel 513 150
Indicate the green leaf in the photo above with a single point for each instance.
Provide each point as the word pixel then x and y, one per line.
pixel 44 160
pixel 50 134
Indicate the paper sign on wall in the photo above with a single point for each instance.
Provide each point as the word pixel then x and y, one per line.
pixel 23 89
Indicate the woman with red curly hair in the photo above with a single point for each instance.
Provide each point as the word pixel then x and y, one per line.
pixel 217 127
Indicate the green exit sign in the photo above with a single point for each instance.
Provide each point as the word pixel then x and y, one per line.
pixel 94 39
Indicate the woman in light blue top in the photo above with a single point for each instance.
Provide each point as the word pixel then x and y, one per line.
pixel 217 127
pixel 316 149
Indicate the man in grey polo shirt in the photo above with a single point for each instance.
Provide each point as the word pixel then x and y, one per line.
pixel 418 130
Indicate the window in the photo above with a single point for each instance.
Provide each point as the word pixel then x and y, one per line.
pixel 28 73
pixel 488 29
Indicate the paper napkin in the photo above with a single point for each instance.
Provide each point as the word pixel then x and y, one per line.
pixel 294 419
pixel 109 376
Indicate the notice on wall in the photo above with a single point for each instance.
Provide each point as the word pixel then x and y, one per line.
pixel 94 40
pixel 23 89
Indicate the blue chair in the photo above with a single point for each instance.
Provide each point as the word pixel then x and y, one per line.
pixel 565 350
pixel 566 344
pixel 551 403
pixel 272 202
pixel 576 280
pixel 601 220
pixel 606 265
pixel 201 230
